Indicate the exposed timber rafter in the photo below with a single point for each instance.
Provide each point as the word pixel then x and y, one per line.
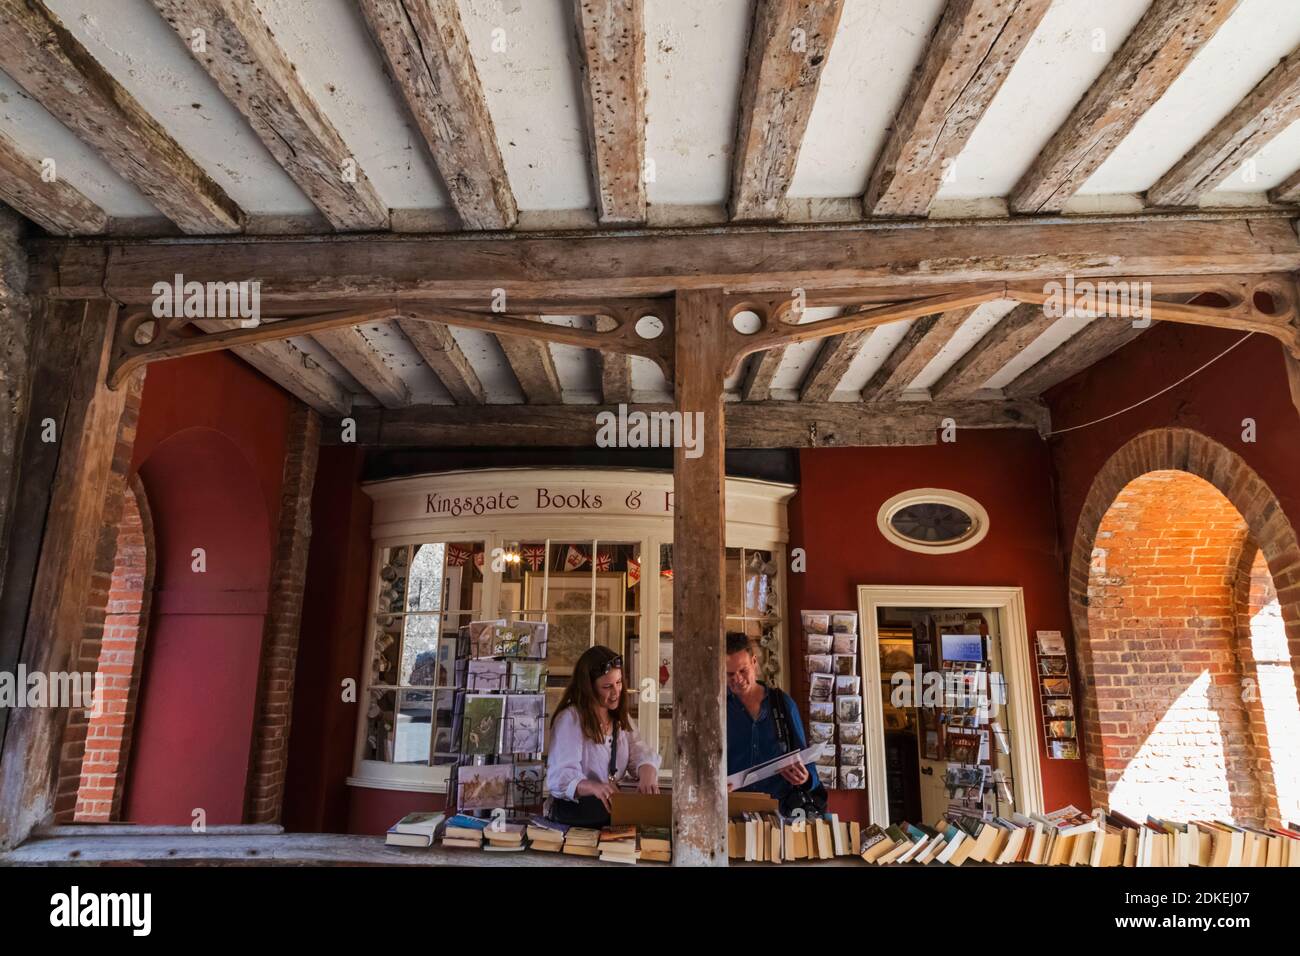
pixel 50 203
pixel 534 369
pixel 1013 333
pixel 440 351
pixel 923 341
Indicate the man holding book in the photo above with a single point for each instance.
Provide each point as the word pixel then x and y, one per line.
pixel 763 723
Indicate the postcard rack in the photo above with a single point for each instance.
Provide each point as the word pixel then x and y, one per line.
pixel 499 721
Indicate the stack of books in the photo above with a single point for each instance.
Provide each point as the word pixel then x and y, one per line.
pixel 545 835
pixel 771 838
pixel 504 836
pixel 580 841
pixel 657 844
pixel 464 831
pixel 618 845
pixel 415 829
pixel 1070 837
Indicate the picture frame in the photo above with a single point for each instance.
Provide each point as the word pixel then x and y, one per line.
pixel 569 615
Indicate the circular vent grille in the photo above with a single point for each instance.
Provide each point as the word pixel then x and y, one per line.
pixel 933 521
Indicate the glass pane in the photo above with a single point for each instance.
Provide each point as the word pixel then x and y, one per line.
pixel 414 727
pixel 383 658
pixel 932 523
pixel 424 583
pixel 379 726
pixel 527 558
pixel 732 582
pixel 392 579
pixel 420 650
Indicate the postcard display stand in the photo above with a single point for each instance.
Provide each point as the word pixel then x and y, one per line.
pixel 499 718
pixel 967 734
pixel 1059 722
pixel 835 697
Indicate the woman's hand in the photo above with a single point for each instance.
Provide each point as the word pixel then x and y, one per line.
pixel 601 790
pixel 647 778
pixel 796 776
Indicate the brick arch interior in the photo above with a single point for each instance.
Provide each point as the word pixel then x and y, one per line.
pixel 1141 657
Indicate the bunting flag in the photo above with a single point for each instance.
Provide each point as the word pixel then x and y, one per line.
pixel 456 556
pixel 534 556
pixel 574 558
pixel 667 573
pixel 603 559
pixel 633 572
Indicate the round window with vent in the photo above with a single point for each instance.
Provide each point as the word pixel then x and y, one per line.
pixel 933 521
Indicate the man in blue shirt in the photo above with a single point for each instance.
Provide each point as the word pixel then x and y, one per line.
pixel 752 729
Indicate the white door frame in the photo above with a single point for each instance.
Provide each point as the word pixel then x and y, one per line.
pixel 1027 779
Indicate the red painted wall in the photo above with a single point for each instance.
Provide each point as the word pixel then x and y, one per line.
pixel 210 453
pixel 331 650
pixel 1250 382
pixel 833 517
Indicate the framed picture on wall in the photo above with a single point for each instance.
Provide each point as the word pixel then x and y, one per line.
pixel 569 596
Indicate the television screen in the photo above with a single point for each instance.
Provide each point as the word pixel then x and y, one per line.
pixel 962 647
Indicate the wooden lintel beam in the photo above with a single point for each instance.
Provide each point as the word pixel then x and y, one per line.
pixel 924 340
pixel 44 58
pixel 427 52
pixel 533 367
pixel 971 53
pixel 1012 334
pixel 832 361
pixel 767 424
pixel 611 47
pixel 440 351
pixel 861 259
pixel 260 81
pixel 1272 106
pixel 1152 57
pixel 50 203
pixel 355 353
pixel 788 46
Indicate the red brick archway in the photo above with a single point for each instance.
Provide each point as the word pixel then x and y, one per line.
pixel 1169 450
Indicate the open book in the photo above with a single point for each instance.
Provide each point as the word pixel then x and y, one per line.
pixel 747 778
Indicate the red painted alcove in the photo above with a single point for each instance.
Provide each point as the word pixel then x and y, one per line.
pixel 193 733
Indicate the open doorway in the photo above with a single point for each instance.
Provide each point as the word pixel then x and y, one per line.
pixel 948 701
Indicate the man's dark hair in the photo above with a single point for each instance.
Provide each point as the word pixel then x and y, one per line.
pixel 737 642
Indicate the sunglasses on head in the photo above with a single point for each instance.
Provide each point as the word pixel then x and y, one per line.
pixel 615 662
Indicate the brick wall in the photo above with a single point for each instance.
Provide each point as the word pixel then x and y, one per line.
pixel 85 656
pixel 1167 716
pixel 284 619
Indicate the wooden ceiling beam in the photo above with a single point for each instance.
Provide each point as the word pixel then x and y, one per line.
pixel 831 363
pixel 354 352
pixel 757 384
pixel 1272 106
pixel 615 378
pixel 534 369
pixel 257 77
pixel 427 52
pixel 1089 345
pixel 925 339
pixel 611 47
pixel 440 351
pixel 291 368
pixel 1012 334
pixel 52 204
pixel 862 259
pixel 749 425
pixel 971 53
pixel 788 46
pixel 1152 57
pixel 39 53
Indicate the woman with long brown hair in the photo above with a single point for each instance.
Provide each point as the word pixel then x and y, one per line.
pixel 594 743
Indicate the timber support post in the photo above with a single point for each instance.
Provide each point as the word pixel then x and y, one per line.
pixel 699 537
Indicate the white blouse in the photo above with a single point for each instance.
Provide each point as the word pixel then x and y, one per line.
pixel 574 758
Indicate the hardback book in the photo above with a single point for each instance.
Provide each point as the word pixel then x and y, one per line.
pixel 464 842
pixel 420 823
pixel 578 849
pixel 394 838
pixel 582 836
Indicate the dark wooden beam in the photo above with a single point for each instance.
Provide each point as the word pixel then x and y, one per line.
pixel 39 53
pixel 924 340
pixel 534 369
pixel 439 349
pixel 611 47
pixel 352 350
pixel 53 205
pixel 260 81
pixel 1272 106
pixel 699 546
pixel 424 44
pixel 973 49
pixel 62 502
pixel 615 377
pixel 342 271
pixel 1288 191
pixel 1152 57
pixel 768 424
pixel 833 360
pixel 1012 334
pixel 788 46
pixel 1089 345
pixel 757 384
